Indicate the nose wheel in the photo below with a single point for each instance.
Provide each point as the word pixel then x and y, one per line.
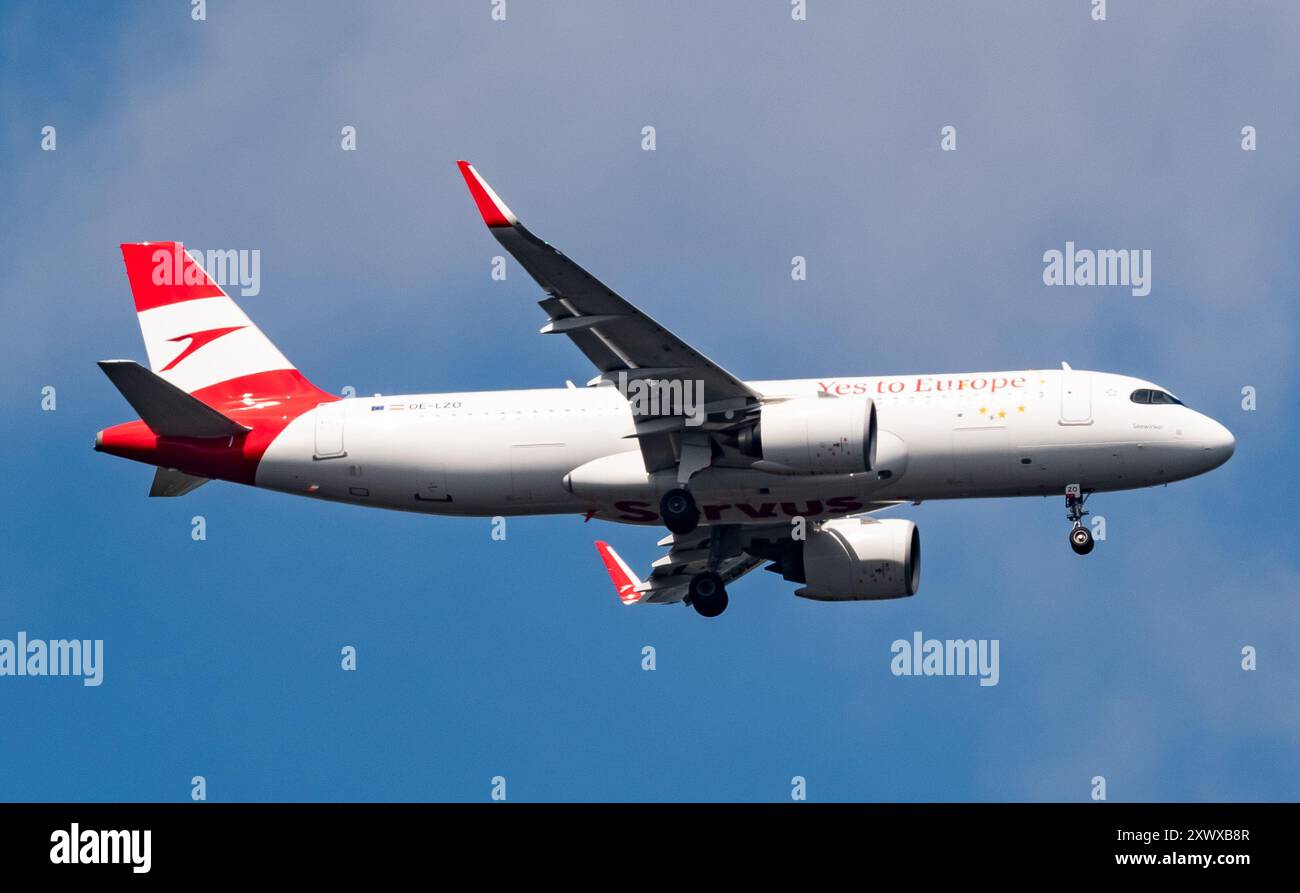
pixel 679 512
pixel 1081 540
pixel 1080 536
pixel 707 594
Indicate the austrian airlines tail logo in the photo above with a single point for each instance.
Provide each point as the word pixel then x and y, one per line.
pixel 197 340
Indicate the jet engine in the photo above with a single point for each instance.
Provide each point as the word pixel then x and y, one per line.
pixel 851 559
pixel 813 435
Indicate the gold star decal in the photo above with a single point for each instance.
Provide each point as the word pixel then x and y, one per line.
pixel 1020 409
pixel 1002 414
pixel 983 409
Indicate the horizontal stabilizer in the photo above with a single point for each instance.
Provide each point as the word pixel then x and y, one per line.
pixel 165 408
pixel 170 482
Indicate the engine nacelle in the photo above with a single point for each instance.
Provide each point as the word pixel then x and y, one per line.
pixel 814 435
pixel 862 558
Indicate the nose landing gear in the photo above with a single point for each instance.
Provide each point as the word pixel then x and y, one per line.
pixel 1080 536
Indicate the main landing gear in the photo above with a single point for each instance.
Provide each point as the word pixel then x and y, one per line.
pixel 679 512
pixel 707 594
pixel 1080 536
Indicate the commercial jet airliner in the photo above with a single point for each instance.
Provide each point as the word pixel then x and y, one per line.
pixel 791 473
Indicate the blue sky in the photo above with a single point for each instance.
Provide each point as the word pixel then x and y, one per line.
pixel 480 658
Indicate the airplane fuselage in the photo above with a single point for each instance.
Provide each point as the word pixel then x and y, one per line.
pixel 572 450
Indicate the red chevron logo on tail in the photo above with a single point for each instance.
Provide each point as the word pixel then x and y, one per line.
pixel 197 340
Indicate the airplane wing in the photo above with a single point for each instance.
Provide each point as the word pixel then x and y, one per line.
pixel 614 334
pixel 740 550
pixel 670 576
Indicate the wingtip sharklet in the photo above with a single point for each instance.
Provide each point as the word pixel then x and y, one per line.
pixel 626 584
pixel 489 204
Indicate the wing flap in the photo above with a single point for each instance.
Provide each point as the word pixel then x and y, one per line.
pixel 673 587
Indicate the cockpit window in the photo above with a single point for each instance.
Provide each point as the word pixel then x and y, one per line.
pixel 1147 395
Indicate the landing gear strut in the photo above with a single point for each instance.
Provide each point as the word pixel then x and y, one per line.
pixel 1080 536
pixel 679 512
pixel 707 594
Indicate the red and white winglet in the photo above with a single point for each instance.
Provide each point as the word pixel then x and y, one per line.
pixel 630 589
pixel 494 211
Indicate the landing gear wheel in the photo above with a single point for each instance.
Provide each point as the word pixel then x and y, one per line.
pixel 679 512
pixel 1080 536
pixel 1081 540
pixel 708 595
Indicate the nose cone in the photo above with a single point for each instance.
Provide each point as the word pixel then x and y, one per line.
pixel 1217 443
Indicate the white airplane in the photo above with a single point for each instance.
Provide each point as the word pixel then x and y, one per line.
pixel 740 472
